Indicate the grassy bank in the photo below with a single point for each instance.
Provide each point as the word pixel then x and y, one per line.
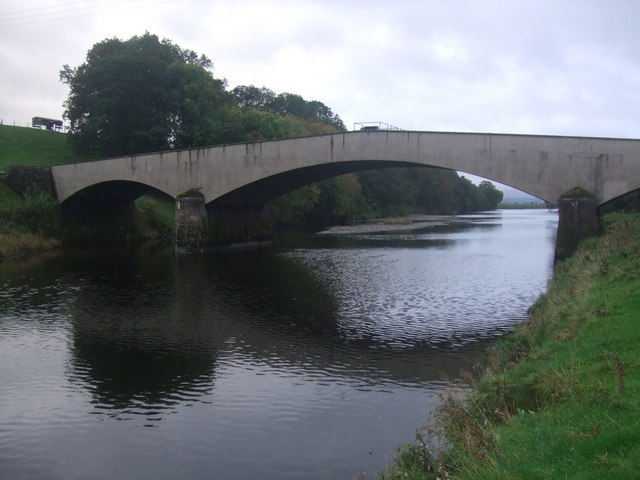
pixel 32 224
pixel 27 225
pixel 561 396
pixel 33 147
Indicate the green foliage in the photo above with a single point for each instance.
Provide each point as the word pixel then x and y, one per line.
pixel 338 201
pixel 561 398
pixel 490 196
pixel 286 104
pixel 156 216
pixel 7 196
pixel 406 190
pixel 436 190
pixel 294 208
pixel 263 125
pixel 142 95
pixel 19 244
pixel 413 462
pixel 251 97
pixel 391 192
pixel 28 225
pixel 329 202
pixel 37 213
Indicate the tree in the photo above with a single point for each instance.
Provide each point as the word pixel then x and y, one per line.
pixel 286 104
pixel 390 191
pixel 491 196
pixel 292 104
pixel 142 95
pixel 436 190
pixel 338 201
pixel 253 97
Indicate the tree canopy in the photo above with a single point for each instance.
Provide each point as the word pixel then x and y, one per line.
pixel 251 97
pixel 145 94
pixel 142 95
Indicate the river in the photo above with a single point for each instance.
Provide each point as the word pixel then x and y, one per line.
pixel 313 359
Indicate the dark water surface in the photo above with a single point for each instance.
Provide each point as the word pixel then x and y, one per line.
pixel 312 359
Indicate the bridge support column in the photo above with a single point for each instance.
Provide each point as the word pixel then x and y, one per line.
pixel 191 223
pixel 578 219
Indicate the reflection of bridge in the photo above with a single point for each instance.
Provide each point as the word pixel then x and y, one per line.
pixel 236 180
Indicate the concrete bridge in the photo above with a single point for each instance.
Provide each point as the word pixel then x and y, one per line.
pixel 234 181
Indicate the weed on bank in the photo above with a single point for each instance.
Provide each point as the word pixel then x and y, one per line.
pixel 560 397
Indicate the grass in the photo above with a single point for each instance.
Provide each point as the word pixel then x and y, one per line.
pixel 561 396
pixel 31 224
pixel 26 146
pixel 7 196
pixel 22 244
pixel 27 225
pixel 157 214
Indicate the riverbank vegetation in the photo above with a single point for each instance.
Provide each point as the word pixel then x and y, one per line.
pixel 560 397
pixel 28 224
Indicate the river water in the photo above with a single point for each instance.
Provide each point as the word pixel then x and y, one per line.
pixel 312 359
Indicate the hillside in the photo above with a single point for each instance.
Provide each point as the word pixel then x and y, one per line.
pixel 33 147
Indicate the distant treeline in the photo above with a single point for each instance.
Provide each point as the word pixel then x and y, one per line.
pixel 381 193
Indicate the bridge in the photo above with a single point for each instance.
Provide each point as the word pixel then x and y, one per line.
pixel 232 182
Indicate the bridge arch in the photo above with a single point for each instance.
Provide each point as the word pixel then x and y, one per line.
pixel 623 201
pixel 269 188
pixel 110 192
pixel 103 213
pixel 232 175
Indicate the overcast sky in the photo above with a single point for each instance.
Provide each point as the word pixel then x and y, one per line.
pixel 557 67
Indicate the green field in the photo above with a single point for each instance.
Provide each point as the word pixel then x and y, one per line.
pixel 33 147
pixel 561 396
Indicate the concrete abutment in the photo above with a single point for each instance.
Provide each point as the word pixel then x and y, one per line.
pixel 578 219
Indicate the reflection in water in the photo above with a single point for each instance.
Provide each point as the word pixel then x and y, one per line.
pixel 144 340
pixel 319 357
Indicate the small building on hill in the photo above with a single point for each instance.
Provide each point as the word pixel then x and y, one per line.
pixel 47 124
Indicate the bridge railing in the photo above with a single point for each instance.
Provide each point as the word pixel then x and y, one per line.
pixel 374 126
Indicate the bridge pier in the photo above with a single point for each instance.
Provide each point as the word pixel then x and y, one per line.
pixel 198 228
pixel 191 223
pixel 578 219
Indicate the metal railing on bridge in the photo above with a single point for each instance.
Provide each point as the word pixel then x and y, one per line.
pixel 374 126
